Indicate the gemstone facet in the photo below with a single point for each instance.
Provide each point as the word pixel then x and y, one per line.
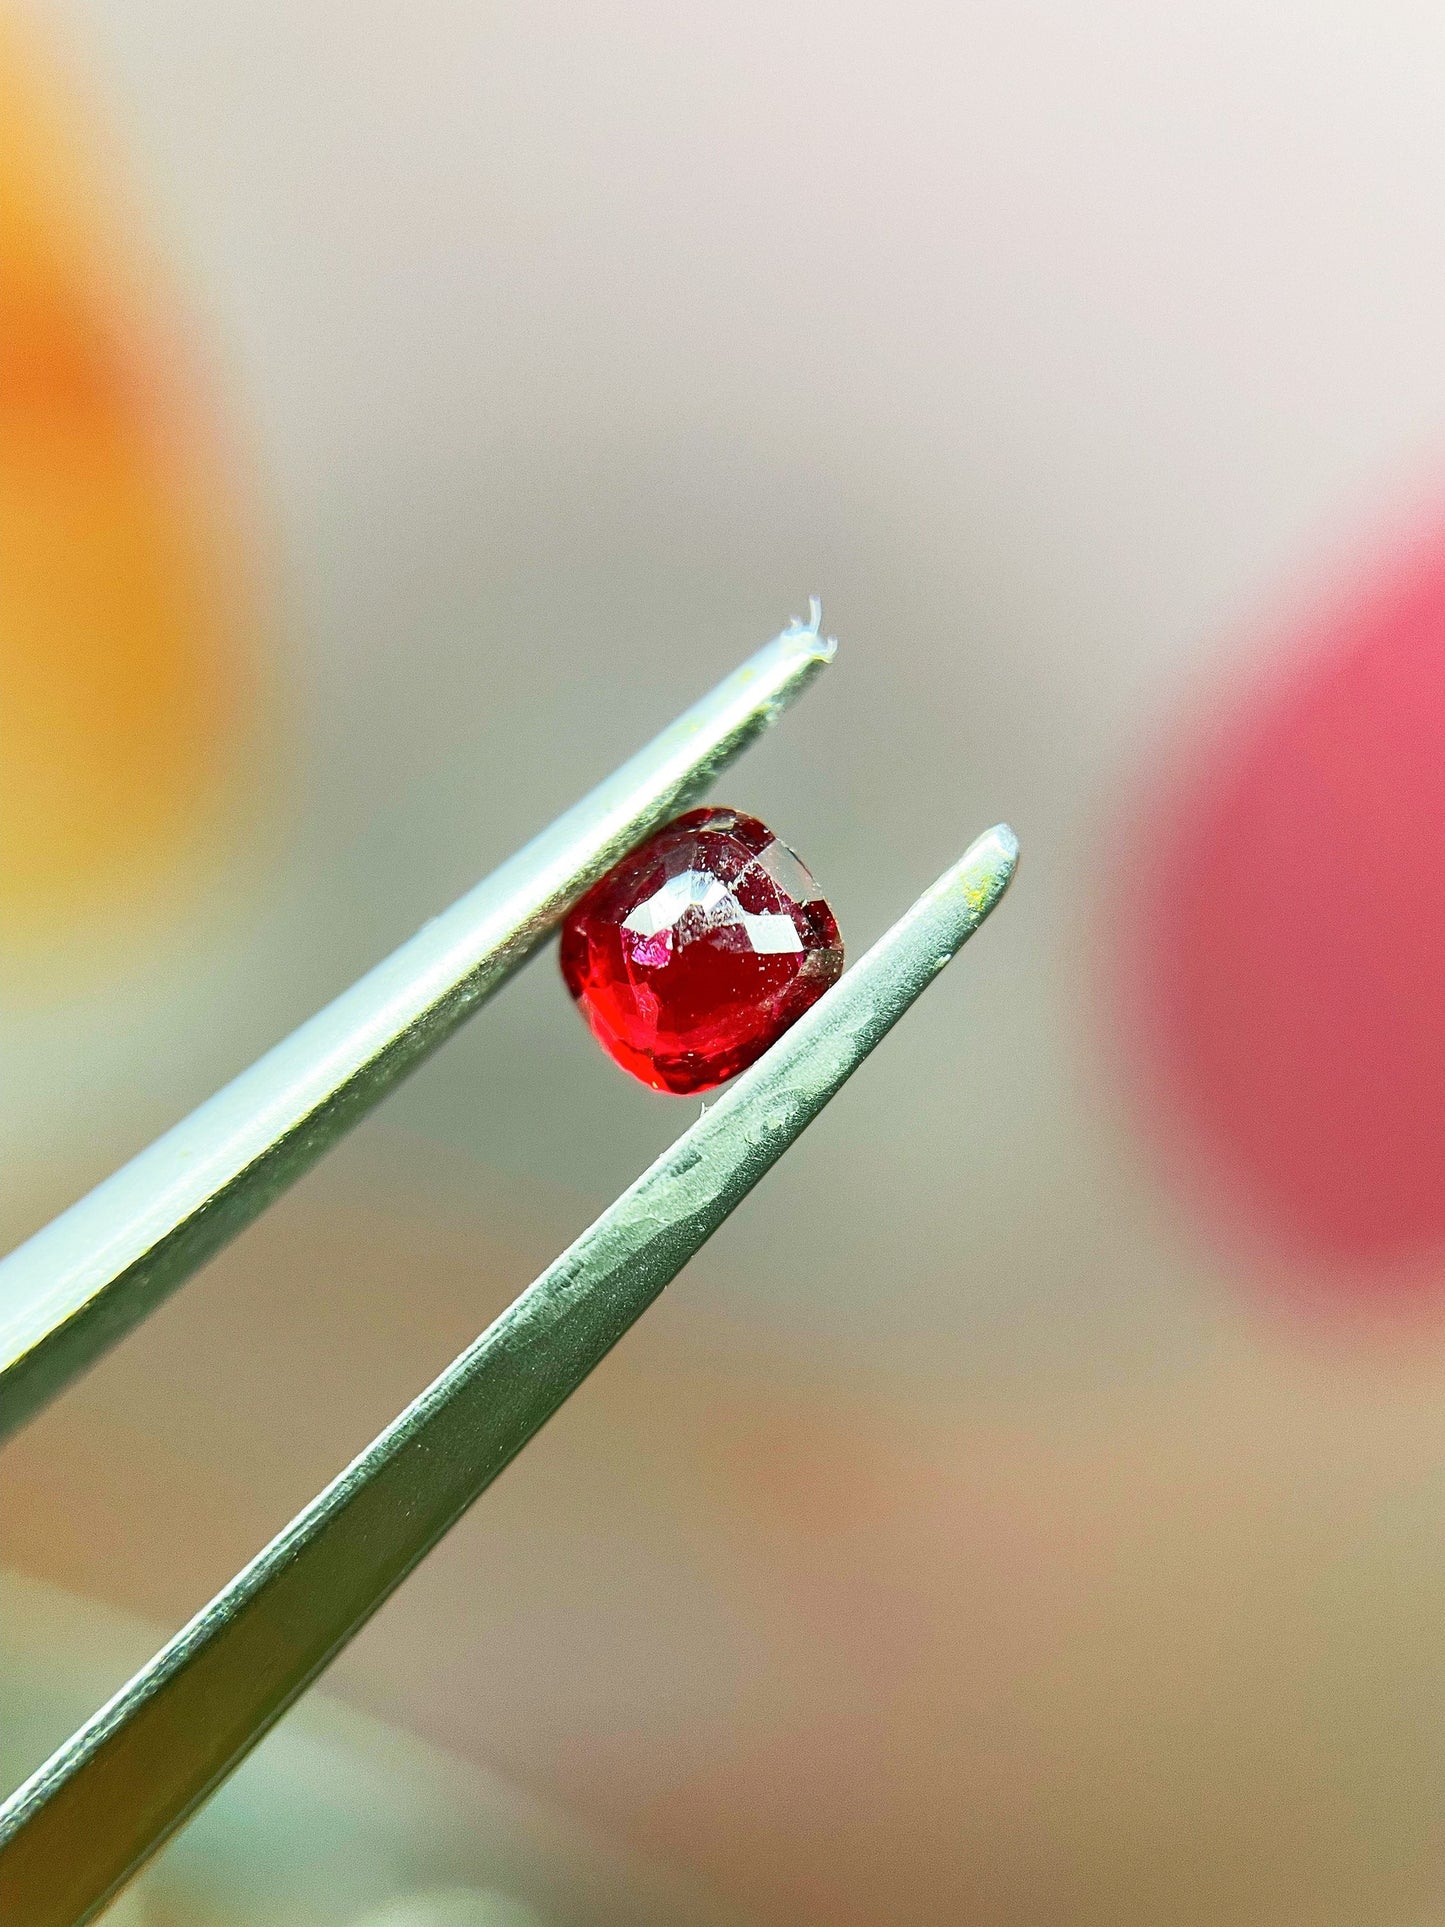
pixel 699 950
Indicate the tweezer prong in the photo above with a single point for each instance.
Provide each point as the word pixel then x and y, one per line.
pixel 94 1812
pixel 78 1286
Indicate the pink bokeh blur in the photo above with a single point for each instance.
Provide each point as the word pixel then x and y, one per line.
pixel 1291 1013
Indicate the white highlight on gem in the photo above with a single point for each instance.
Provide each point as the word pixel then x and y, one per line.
pixel 769 934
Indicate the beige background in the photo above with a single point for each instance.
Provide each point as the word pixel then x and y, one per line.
pixel 963 1540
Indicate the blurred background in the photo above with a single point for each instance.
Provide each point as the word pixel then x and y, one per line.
pixel 1030 1507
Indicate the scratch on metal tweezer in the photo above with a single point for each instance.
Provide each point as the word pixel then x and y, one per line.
pixel 94 1812
pixel 79 1285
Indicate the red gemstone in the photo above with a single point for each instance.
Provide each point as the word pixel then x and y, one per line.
pixel 699 950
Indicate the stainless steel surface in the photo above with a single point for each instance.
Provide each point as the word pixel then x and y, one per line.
pixel 78 1286
pixel 120 1786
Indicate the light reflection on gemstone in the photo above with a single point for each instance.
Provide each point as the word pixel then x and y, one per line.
pixel 769 934
pixel 652 952
pixel 788 873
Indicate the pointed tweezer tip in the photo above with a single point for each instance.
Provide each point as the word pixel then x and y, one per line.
pixel 987 868
pixel 1003 843
pixel 808 636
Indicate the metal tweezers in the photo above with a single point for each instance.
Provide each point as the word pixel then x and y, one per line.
pixel 88 1818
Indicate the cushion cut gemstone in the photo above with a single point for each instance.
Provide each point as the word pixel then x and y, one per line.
pixel 699 950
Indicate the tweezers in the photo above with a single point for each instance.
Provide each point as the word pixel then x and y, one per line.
pixel 92 1814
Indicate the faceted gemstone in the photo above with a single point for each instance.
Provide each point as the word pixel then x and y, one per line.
pixel 699 950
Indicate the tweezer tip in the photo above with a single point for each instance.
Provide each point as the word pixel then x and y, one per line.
pixel 1006 842
pixel 816 646
pixel 987 867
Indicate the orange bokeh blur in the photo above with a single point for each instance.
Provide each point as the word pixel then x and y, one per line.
pixel 125 620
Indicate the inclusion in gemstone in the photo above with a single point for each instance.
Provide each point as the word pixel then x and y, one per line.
pixel 699 950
